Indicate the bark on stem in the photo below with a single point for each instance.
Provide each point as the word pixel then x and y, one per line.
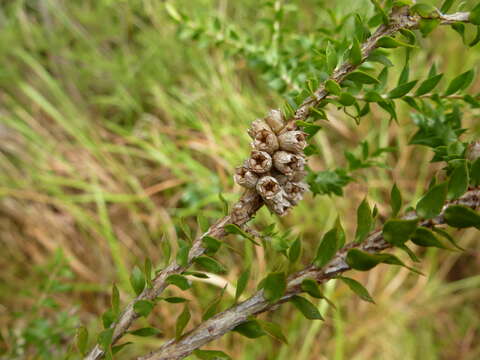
pixel 227 320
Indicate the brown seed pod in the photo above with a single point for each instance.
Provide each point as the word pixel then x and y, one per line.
pixel 473 151
pixel 273 194
pixel 276 120
pixel 288 163
pixel 245 177
pixel 299 176
pixel 293 141
pixel 295 190
pixel 260 162
pixel 265 140
pixel 257 126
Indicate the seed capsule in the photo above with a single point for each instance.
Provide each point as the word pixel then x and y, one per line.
pixel 265 140
pixel 245 177
pixel 260 162
pixel 257 126
pixel 293 141
pixel 295 190
pixel 288 163
pixel 276 120
pixel 273 194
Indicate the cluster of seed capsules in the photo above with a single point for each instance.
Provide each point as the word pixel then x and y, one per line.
pixel 276 167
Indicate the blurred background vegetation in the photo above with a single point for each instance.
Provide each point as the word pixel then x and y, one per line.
pixel 114 127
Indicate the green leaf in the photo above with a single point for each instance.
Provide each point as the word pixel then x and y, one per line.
pixel 373 96
pixel 172 12
pixel 447 236
pixel 274 330
pixel 115 300
pixel 143 307
pixel 175 299
pixel 458 183
pixel 210 265
pixel 212 308
pixel 137 280
pixel 331 55
pixel 397 232
pixel 428 85
pixel 402 90
pixel 355 56
pixel 357 288
pixel 424 10
pixel 475 173
pixel 396 200
pixel 327 248
pixel 389 42
pixel 250 329
pixel 426 26
pixel 211 244
pixel 108 318
pixel 179 281
pixel 332 87
pixel 242 283
pixel 82 340
pixel 182 322
pixel 182 253
pixel 425 237
pixel 361 77
pixel 475 15
pixel 311 288
pixel 431 204
pixel 117 348
pixel 308 310
pixel 105 339
pixel 148 273
pixel 447 4
pixel 234 229
pixel 144 332
pixel 274 286
pixel 364 221
pixel 460 216
pixel 309 128
pixel 203 223
pixel 295 250
pixel 211 355
pixel 346 99
pixel 363 261
pixel 461 82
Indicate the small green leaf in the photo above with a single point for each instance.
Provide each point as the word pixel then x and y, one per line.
pixel 426 26
pixel 361 77
pixel 143 307
pixel 363 261
pixel 203 223
pixel 424 10
pixel 210 265
pixel 428 85
pixel 242 283
pixel 447 4
pixel 389 42
pixel 175 299
pixel 274 286
pixel 311 288
pixel 250 329
pixel 212 308
pixel 144 332
pixel 461 82
pixel 432 202
pixel 460 216
pixel 308 310
pixel 182 253
pixel 179 281
pixel 327 248
pixel 234 229
pixel 274 330
pixel 331 55
pixel 332 87
pixel 458 183
pixel 211 355
pixel 211 244
pixel 475 173
pixel 295 250
pixel 373 96
pixel 137 280
pixel 402 90
pixel 355 53
pixel 425 237
pixel 172 12
pixel 357 288
pixel 397 232
pixel 447 236
pixel 364 221
pixel 148 273
pixel 108 318
pixel 117 348
pixel 182 322
pixel 396 200
pixel 346 99
pixel 475 15
pixel 115 300
pixel 82 340
pixel 105 339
